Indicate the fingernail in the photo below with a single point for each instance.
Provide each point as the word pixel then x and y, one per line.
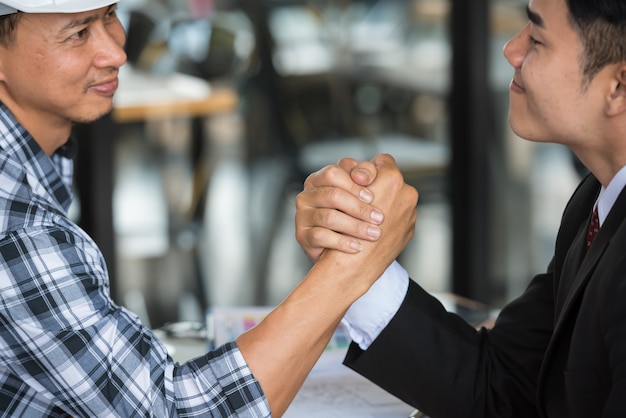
pixel 362 173
pixel 366 195
pixel 356 246
pixel 373 232
pixel 376 216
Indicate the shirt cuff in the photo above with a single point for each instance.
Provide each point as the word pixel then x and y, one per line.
pixel 371 313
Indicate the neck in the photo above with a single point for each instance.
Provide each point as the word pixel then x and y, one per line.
pixel 49 134
pixel 604 154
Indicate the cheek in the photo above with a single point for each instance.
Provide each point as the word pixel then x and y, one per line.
pixel 22 74
pixel 40 66
pixel 547 90
pixel 63 73
pixel 44 63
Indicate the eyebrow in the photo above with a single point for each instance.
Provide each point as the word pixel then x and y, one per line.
pixel 535 18
pixel 88 19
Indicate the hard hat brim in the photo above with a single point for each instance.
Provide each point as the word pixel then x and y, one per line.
pixel 51 6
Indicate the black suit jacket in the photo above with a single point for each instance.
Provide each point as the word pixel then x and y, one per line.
pixel 559 350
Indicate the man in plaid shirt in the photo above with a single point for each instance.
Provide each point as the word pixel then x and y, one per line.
pixel 65 348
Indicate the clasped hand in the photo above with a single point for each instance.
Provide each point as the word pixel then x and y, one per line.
pixel 357 207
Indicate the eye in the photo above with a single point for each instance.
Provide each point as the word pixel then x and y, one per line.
pixel 80 34
pixel 533 41
pixel 111 13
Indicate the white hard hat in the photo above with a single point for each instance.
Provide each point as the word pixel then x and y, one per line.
pixel 51 6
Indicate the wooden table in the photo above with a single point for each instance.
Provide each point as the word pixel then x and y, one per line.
pixel 144 96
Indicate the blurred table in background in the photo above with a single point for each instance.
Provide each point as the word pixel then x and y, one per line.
pixel 144 96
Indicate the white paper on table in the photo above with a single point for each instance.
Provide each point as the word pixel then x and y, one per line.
pixel 332 390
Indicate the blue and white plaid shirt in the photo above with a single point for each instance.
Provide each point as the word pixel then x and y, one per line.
pixel 65 348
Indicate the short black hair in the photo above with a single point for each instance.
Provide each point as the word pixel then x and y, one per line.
pixel 601 25
pixel 8 24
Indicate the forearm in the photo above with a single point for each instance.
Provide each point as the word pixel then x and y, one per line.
pixel 282 349
pixel 426 353
pixel 414 356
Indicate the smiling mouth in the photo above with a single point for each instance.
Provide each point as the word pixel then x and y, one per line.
pixel 515 86
pixel 107 88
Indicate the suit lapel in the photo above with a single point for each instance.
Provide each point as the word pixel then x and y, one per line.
pixel 589 258
pixel 569 251
pixel 569 277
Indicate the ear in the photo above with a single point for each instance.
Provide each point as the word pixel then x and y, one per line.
pixel 4 57
pixel 616 102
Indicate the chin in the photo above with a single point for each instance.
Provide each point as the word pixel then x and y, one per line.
pixel 92 117
pixel 521 129
pixel 515 127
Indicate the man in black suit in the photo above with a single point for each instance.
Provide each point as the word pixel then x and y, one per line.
pixel 559 350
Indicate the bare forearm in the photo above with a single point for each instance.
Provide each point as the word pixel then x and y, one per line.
pixel 282 350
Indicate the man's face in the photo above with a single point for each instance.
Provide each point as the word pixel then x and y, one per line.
pixel 549 100
pixel 63 68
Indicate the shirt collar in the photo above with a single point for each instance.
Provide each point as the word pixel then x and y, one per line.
pixel 52 176
pixel 608 195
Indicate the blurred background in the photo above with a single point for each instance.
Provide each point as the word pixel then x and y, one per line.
pixel 225 106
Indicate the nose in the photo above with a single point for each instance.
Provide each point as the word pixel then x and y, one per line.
pixel 111 46
pixel 516 48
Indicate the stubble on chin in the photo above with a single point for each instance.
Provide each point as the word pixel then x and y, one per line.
pixel 94 116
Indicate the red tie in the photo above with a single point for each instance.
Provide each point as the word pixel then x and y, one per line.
pixel 594 226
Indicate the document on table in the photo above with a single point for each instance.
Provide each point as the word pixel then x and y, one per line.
pixel 334 391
